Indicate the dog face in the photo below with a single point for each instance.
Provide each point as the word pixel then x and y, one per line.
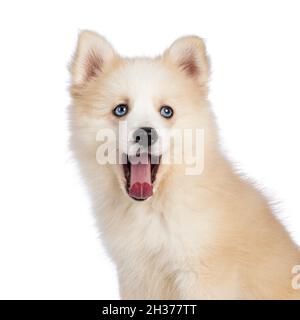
pixel 133 106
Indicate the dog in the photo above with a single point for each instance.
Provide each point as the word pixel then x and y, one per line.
pixel 174 231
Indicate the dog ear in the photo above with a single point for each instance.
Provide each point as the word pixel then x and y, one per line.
pixel 189 54
pixel 92 56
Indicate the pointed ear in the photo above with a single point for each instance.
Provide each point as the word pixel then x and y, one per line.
pixel 189 54
pixel 92 56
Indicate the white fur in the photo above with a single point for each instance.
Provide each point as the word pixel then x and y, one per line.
pixel 205 237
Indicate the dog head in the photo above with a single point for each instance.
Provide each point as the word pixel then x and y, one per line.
pixel 125 110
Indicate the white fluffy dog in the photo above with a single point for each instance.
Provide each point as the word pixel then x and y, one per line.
pixel 172 233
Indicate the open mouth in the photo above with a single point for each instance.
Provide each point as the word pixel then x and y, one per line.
pixel 140 174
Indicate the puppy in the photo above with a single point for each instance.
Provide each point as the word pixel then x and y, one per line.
pixel 177 220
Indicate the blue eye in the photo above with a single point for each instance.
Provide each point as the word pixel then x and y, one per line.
pixel 166 111
pixel 120 110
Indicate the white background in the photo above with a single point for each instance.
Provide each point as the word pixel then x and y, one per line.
pixel 49 247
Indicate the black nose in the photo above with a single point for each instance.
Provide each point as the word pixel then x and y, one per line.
pixel 145 136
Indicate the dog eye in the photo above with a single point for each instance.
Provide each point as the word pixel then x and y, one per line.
pixel 120 110
pixel 166 111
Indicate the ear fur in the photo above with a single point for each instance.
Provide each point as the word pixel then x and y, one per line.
pixel 189 55
pixel 93 54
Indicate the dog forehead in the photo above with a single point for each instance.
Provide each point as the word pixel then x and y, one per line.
pixel 144 78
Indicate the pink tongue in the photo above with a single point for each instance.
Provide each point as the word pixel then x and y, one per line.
pixel 140 179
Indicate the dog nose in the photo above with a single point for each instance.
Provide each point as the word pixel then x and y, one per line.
pixel 145 136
